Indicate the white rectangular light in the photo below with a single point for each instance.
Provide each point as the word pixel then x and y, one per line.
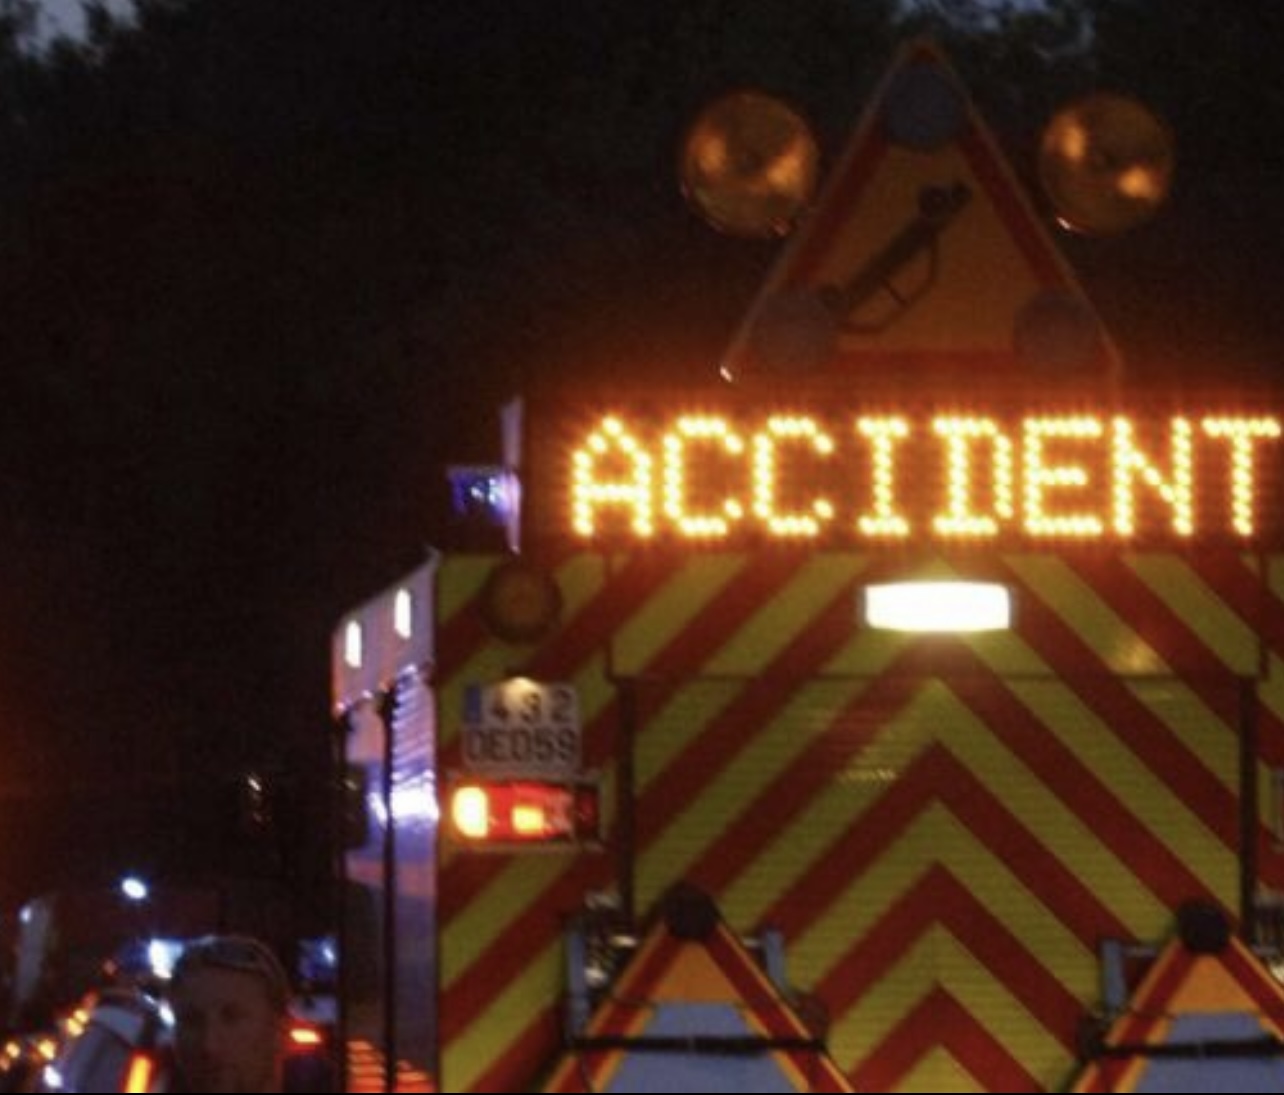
pixel 403 617
pixel 352 644
pixel 938 606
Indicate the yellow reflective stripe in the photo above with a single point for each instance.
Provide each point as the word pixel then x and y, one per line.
pixel 513 891
pixel 766 751
pixel 537 983
pixel 1074 840
pixel 669 611
pixel 1204 613
pixel 938 961
pixel 1142 791
pixel 1081 608
pixel 937 839
pixel 786 614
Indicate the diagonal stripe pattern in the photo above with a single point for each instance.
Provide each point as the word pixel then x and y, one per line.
pixel 941 828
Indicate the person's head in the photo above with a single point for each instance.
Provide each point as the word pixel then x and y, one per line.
pixel 228 994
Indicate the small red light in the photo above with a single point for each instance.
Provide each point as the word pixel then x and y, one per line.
pixel 524 812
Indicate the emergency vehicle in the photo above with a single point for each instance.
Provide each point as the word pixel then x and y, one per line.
pixel 816 728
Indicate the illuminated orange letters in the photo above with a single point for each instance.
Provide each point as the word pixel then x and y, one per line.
pixel 889 478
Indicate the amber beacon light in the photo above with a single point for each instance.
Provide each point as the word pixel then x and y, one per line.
pixel 749 165
pixel 1106 164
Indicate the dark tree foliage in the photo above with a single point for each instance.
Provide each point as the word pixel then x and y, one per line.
pixel 267 267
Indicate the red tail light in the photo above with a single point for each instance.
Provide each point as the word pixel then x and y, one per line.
pixel 524 812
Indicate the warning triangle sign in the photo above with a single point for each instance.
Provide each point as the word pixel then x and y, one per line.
pixel 694 1011
pixel 922 254
pixel 1204 1018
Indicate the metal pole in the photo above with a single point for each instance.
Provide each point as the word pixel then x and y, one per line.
pixel 387 716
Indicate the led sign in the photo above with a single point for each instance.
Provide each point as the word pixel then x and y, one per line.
pixel 878 477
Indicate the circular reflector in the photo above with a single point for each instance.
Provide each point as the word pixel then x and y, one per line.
pixel 520 602
pixel 689 912
pixel 749 165
pixel 1202 927
pixel 1106 164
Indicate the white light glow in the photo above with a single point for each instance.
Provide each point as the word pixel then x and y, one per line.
pixel 134 888
pixel 161 956
pixel 470 811
pixel 352 645
pixel 938 606
pixel 412 802
pixel 403 613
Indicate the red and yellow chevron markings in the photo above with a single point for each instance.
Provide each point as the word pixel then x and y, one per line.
pixel 941 828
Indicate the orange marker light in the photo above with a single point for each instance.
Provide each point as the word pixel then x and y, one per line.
pixel 138 1075
pixel 501 812
pixel 470 812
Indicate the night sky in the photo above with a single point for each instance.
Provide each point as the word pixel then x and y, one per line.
pixel 266 269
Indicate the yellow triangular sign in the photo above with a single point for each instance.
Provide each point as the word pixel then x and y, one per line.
pixel 922 254
pixel 1201 1020
pixel 694 1011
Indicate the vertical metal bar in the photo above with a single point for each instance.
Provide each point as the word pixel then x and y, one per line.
pixel 337 807
pixel 387 715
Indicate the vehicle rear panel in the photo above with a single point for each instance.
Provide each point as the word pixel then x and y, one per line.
pixel 943 829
